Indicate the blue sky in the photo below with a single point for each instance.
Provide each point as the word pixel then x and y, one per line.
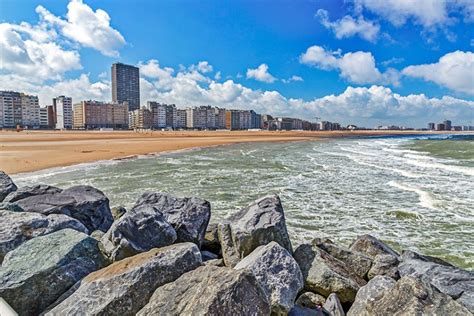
pixel 363 61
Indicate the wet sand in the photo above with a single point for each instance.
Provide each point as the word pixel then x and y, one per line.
pixel 35 150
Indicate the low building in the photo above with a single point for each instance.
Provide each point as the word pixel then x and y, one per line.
pixel 94 114
pixel 47 117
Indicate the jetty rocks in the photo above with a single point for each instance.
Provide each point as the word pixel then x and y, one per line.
pixel 64 251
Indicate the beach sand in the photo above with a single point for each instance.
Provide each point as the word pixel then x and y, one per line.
pixel 35 150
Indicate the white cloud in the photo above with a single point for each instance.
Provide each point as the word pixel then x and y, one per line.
pixel 218 76
pixel 454 70
pixel 38 60
pixel 261 74
pixel 292 78
pixel 202 66
pixel 349 26
pixel 86 27
pixel 357 67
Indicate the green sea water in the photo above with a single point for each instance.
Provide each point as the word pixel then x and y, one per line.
pixel 412 192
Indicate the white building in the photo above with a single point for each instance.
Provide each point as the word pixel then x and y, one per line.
pixel 62 112
pixel 180 118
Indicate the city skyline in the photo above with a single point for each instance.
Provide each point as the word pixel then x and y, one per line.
pixel 349 62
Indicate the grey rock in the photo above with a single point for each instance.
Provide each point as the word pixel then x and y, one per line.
pixel 277 273
pixel 125 286
pixel 141 229
pixel 210 290
pixel 371 246
pixel 7 206
pixel 258 224
pixel 450 280
pixel 84 203
pixel 306 311
pixel 214 262
pixel 211 239
pixel 207 255
pixel 324 274
pixel 6 185
pixel 117 212
pixel 16 228
pixel 310 300
pixel 39 271
pixel 374 290
pixel 188 216
pixel 333 306
pixel 97 234
pixel 413 296
pixel 384 265
pixel 24 192
pixel 354 260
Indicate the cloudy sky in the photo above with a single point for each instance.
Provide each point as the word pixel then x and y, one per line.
pixel 368 62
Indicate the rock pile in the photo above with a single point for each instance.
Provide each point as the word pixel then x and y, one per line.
pixel 65 252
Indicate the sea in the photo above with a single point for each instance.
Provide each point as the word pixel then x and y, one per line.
pixel 413 192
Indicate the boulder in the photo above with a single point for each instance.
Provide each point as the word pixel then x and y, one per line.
pixel 333 306
pixel 305 311
pixel 258 224
pixel 214 262
pixel 6 185
pixel 324 274
pixel 211 239
pixel 7 206
pixel 207 255
pixel 450 280
pixel 16 228
pixel 188 216
pixel 310 300
pixel 24 192
pixel 374 290
pixel 117 212
pixel 36 273
pixel 371 246
pixel 356 261
pixel 210 290
pixel 84 203
pixel 384 265
pixel 141 229
pixel 125 286
pixel 413 296
pixel 277 273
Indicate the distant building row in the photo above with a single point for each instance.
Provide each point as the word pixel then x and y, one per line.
pixel 447 126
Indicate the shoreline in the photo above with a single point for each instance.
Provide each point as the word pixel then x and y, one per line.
pixel 32 151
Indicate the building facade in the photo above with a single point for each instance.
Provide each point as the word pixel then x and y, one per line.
pixel 126 85
pixel 47 117
pixel 140 119
pixel 19 109
pixel 62 107
pixel 181 118
pixel 94 114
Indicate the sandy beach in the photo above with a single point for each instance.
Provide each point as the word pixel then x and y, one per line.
pixel 35 150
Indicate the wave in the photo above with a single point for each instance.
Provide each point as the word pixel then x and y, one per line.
pixel 425 198
pixel 404 173
pixel 440 166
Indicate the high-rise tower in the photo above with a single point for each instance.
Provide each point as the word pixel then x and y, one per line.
pixel 126 85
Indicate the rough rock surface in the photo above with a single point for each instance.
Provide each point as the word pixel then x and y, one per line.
pixel 36 273
pixel 6 185
pixel 324 274
pixel 333 306
pixel 211 239
pixel 310 300
pixel 413 296
pixel 16 228
pixel 306 311
pixel 355 261
pixel 384 265
pixel 207 255
pixel 139 230
pixel 117 212
pixel 84 203
pixel 210 290
pixel 258 224
pixel 277 273
pixel 125 286
pixel 450 280
pixel 24 192
pixel 7 206
pixel 188 216
pixel 371 246
pixel 374 290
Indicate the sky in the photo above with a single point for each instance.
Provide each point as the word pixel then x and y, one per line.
pixel 363 62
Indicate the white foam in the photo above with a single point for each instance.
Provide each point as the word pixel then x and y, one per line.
pixel 425 198
pixel 440 166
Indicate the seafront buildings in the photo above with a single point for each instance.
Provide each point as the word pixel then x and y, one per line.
pixel 62 108
pixel 126 85
pixel 94 114
pixel 19 109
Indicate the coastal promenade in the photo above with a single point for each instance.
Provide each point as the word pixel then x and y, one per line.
pixel 35 150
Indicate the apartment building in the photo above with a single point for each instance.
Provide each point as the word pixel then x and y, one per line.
pixel 94 114
pixel 140 119
pixel 62 107
pixel 126 85
pixel 181 118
